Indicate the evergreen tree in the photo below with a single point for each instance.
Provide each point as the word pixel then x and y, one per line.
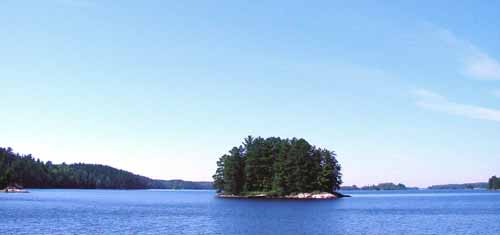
pixel 280 166
pixel 219 174
pixel 234 171
pixel 280 176
pixel 494 183
pixel 29 172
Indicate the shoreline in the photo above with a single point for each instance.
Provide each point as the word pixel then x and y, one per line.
pixel 14 190
pixel 299 196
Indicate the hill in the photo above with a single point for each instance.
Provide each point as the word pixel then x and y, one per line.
pixel 33 173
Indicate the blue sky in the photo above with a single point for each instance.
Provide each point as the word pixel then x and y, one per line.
pixel 404 92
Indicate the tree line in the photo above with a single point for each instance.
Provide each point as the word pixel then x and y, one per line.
pixel 494 183
pixel 277 166
pixel 479 185
pixel 29 172
pixel 381 186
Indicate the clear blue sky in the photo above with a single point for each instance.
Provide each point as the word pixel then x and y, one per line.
pixel 404 92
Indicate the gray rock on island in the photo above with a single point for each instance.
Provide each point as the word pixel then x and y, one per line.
pixel 299 196
pixel 14 189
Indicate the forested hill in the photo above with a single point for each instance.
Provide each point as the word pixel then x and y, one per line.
pixel 33 173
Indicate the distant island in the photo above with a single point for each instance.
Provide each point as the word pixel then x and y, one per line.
pixel 479 185
pixel 381 186
pixel 492 184
pixel 278 168
pixel 24 170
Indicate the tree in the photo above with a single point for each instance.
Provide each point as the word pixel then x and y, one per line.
pixel 494 183
pixel 234 171
pixel 33 173
pixel 219 174
pixel 278 166
pixel 280 176
pixel 327 176
pixel 301 166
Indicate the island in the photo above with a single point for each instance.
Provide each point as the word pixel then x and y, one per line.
pixel 479 185
pixel 381 186
pixel 18 171
pixel 278 168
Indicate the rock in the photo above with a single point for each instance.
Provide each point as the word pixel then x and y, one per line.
pixel 11 189
pixel 324 196
pixel 340 195
pixel 300 196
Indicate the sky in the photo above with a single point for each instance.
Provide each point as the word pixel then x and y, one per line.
pixel 404 91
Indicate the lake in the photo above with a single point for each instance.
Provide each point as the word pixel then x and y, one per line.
pixel 199 212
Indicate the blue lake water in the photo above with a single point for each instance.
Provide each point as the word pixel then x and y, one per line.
pixel 199 212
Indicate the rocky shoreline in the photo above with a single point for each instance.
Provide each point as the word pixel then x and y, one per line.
pixel 299 196
pixel 12 189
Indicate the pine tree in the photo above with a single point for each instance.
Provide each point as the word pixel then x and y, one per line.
pixel 234 171
pixel 280 176
pixel 280 166
pixel 219 174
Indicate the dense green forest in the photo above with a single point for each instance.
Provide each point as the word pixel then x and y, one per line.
pixel 479 185
pixel 381 186
pixel 277 167
pixel 494 183
pixel 32 173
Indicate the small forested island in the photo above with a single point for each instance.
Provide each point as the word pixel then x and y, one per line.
pixel 381 186
pixel 278 168
pixel 25 171
pixel 494 183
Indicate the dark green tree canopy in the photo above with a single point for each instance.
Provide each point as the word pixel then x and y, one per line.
pixel 494 183
pixel 277 166
pixel 32 173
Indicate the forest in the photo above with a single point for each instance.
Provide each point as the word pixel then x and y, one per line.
pixel 26 171
pixel 478 185
pixel 494 183
pixel 278 167
pixel 381 186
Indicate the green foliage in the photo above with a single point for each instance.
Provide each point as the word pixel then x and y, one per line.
pixel 480 185
pixel 258 164
pixel 494 183
pixel 33 173
pixel 219 174
pixel 277 166
pixel 233 171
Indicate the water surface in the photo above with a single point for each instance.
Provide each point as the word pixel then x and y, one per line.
pixel 199 212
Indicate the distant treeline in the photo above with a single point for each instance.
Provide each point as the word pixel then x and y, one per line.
pixel 479 185
pixel 494 183
pixel 277 166
pixel 381 186
pixel 180 184
pixel 29 172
